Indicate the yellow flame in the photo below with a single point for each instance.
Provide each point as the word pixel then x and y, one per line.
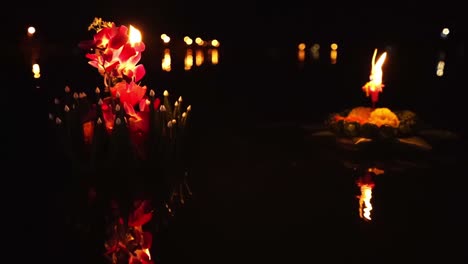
pixel 375 83
pixel 134 35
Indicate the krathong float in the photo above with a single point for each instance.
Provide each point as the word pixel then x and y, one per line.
pixel 362 126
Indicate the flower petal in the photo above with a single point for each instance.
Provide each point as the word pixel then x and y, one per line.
pixel 139 71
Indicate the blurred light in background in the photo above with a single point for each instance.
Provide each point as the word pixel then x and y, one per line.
pixel 188 60
pixel 199 41
pixel 215 43
pixel 315 50
pixel 440 68
pixel 440 64
pixel 199 57
pixel 166 61
pixel 188 40
pixel 165 38
pixel 214 56
pixel 31 31
pixel 36 71
pixel 333 53
pixel 444 33
pixel 301 52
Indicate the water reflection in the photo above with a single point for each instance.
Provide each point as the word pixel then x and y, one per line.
pixel 314 52
pixel 188 60
pixel 440 64
pixel 36 71
pixel 301 52
pixel 214 56
pixel 203 52
pixel 166 60
pixel 333 53
pixel 366 184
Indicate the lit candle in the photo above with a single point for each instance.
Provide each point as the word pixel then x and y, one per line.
pixel 375 85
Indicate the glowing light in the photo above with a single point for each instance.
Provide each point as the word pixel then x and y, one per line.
pixel 199 41
pixel 166 61
pixel 444 33
pixel 315 50
pixel 334 46
pixel 365 205
pixel 375 85
pixel 199 57
pixel 134 35
pixel 440 68
pixel 165 38
pixel 366 184
pixel 214 56
pixel 188 40
pixel 188 60
pixel 36 71
pixel 31 31
pixel 215 43
pixel 301 46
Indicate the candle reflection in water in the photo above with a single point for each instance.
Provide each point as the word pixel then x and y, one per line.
pixel 333 53
pixel 199 57
pixel 36 71
pixel 31 31
pixel 188 60
pixel 214 55
pixel 301 52
pixel 166 61
pixel 366 184
pixel 315 50
pixel 441 64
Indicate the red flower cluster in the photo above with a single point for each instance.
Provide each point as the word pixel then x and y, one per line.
pixel 115 51
pixel 129 240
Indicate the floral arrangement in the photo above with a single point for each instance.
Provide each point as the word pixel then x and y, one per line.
pixel 374 123
pixel 125 142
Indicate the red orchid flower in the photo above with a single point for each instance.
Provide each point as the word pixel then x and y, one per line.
pixel 130 93
pixel 140 216
pixel 109 37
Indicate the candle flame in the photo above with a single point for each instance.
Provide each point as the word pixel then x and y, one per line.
pixel 376 70
pixel 134 35
pixel 375 85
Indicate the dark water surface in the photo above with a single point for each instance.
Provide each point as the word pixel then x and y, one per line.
pixel 264 190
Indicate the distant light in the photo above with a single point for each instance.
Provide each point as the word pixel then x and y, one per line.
pixel 215 43
pixel 165 38
pixel 334 46
pixel 31 31
pixel 188 40
pixel 199 41
pixel 36 70
pixel 440 68
pixel 301 46
pixel 444 33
